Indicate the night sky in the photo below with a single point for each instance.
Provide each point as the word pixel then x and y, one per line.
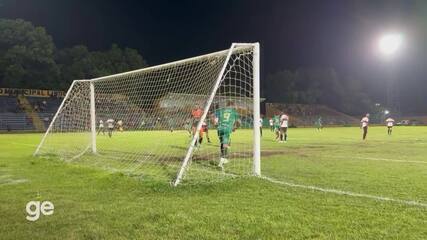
pixel 293 34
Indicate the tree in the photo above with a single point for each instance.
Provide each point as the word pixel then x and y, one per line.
pixel 29 59
pixel 26 55
pixel 79 63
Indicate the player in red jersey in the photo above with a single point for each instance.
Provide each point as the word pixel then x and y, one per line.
pixel 196 114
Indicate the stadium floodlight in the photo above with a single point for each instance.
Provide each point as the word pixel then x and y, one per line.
pixel 389 44
pixel 155 106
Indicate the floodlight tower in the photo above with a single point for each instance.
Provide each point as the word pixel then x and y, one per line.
pixel 389 45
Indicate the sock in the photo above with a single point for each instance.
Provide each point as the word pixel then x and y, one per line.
pixel 222 150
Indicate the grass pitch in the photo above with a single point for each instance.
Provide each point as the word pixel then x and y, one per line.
pixel 327 185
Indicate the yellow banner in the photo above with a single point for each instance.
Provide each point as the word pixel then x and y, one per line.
pixel 31 92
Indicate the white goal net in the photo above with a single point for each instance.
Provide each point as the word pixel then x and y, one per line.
pixel 195 119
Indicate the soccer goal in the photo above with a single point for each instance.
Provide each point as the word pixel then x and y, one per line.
pixel 191 120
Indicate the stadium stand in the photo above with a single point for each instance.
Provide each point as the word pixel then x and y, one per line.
pixel 307 114
pixel 45 108
pixel 15 121
pixel 9 104
pixel 26 113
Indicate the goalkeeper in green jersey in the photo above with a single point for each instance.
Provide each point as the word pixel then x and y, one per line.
pixel 227 120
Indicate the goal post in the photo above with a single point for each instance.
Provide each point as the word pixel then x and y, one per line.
pixel 257 111
pixel 141 122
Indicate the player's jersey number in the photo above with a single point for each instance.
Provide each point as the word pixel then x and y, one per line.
pixel 227 116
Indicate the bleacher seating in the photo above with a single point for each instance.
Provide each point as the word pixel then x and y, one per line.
pixel 15 121
pixel 46 107
pixel 9 104
pixel 13 117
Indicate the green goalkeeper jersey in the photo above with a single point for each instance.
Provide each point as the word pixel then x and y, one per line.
pixel 276 121
pixel 226 118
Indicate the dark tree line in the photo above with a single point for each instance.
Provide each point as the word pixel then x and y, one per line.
pixel 29 59
pixel 320 86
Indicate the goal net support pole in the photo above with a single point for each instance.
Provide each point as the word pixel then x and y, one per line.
pixel 256 113
pixel 199 125
pixel 257 116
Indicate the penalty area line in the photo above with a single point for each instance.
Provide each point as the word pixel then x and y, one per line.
pixel 346 193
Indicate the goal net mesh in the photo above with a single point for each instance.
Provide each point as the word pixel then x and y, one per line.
pixel 155 107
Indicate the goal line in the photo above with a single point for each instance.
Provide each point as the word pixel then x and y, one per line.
pixel 347 193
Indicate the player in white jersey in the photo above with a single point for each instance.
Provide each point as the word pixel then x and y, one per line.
pixel 110 125
pixel 389 122
pixel 101 127
pixel 120 125
pixel 284 123
pixel 271 122
pixel 364 124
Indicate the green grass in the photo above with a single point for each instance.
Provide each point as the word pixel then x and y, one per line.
pixel 92 203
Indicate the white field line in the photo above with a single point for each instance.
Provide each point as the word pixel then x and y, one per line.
pixel 24 144
pixel 346 193
pixel 381 159
pixel 13 182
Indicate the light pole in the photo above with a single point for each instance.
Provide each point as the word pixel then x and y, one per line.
pixel 389 45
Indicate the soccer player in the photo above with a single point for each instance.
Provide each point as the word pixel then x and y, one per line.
pixel 390 122
pixel 319 124
pixel 271 122
pixel 365 123
pixel 205 129
pixel 110 125
pixel 101 127
pixel 261 121
pixel 284 119
pixel 227 120
pixel 120 125
pixel 276 126
pixel 188 127
pixel 196 113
